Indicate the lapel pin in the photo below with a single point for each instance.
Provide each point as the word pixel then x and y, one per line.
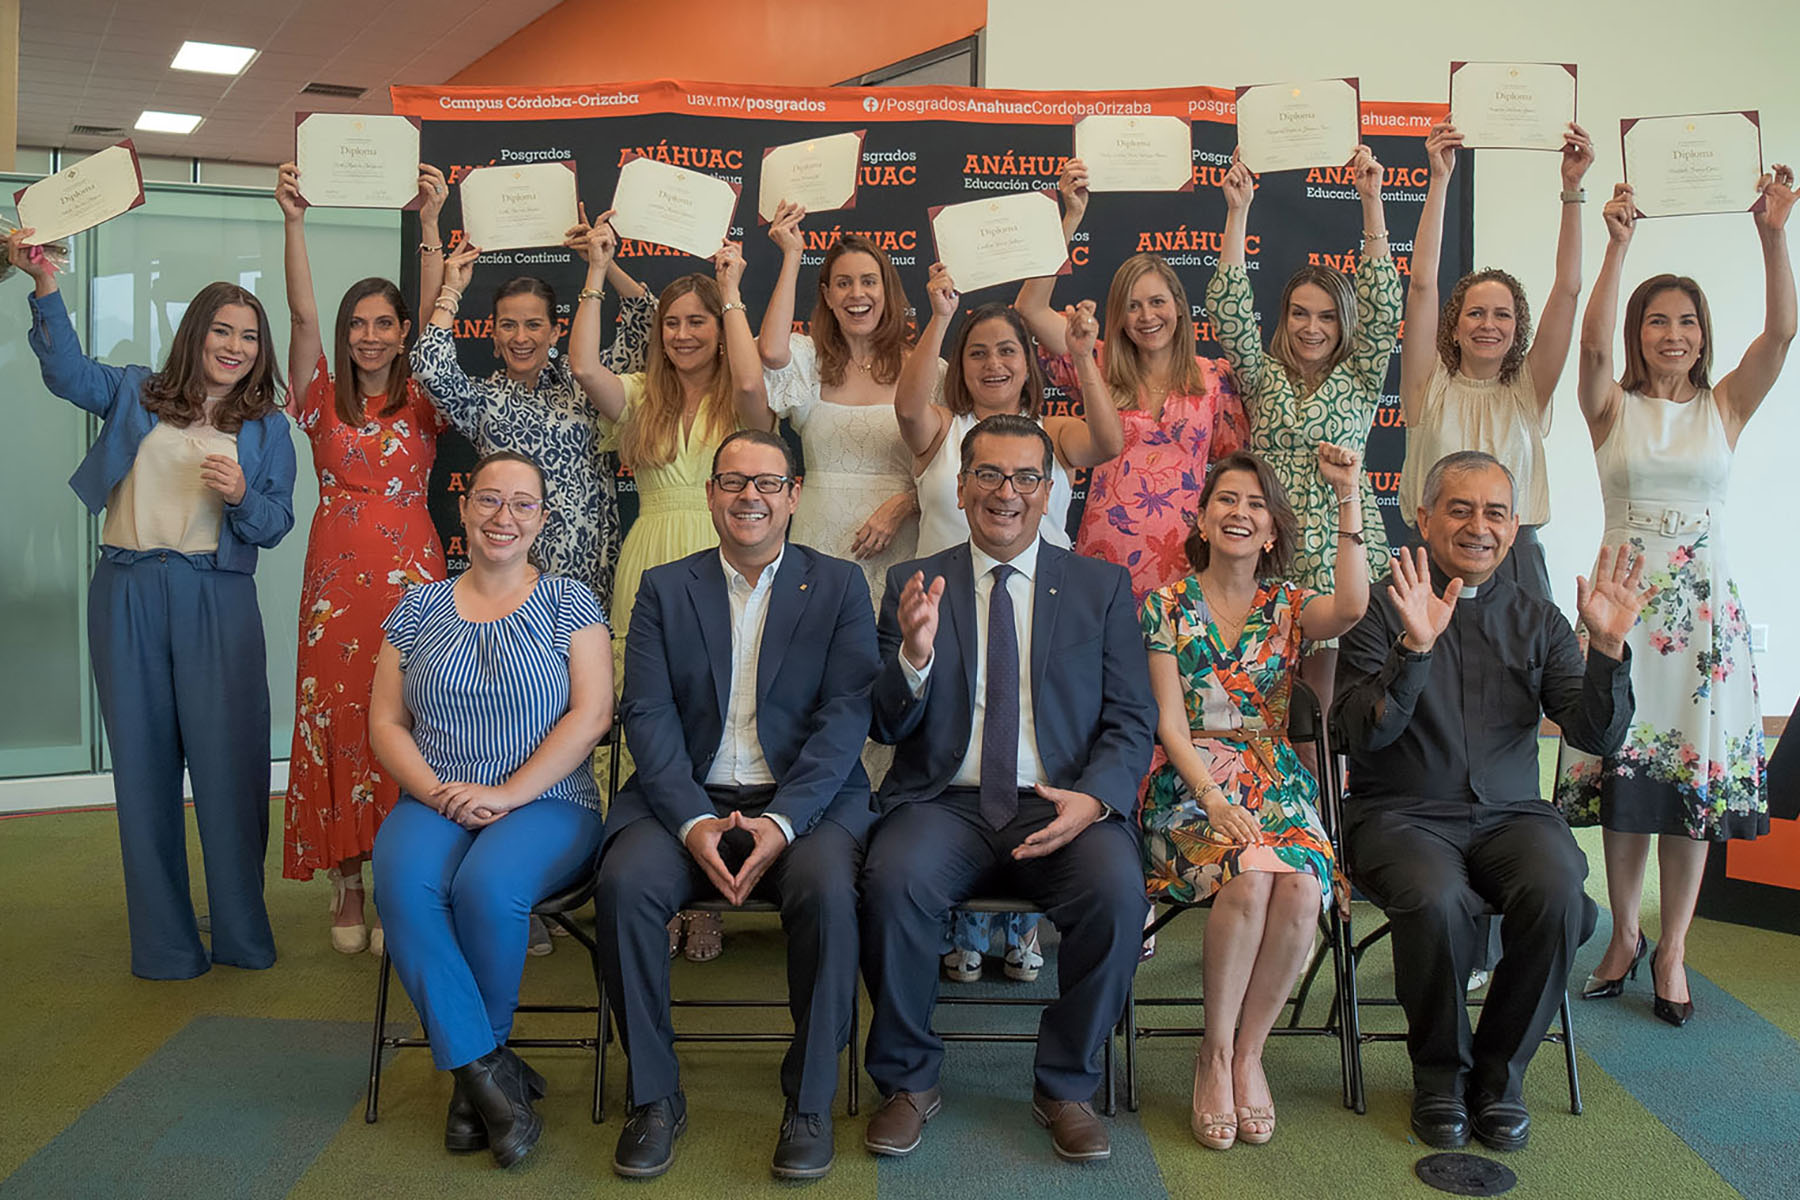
pixel 1053 591
pixel 803 587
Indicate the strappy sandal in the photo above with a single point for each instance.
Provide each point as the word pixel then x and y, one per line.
pixel 1215 1131
pixel 705 936
pixel 675 925
pixel 346 939
pixel 1250 1115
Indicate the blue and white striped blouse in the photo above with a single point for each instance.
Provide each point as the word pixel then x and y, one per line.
pixel 484 694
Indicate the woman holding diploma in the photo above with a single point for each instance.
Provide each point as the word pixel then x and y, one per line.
pixel 534 405
pixel 1229 812
pixel 836 387
pixel 374 437
pixel 1319 380
pixel 194 469
pixel 1478 379
pixel 1691 771
pixel 1179 411
pixel 671 417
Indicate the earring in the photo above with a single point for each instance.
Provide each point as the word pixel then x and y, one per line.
pixel 1268 546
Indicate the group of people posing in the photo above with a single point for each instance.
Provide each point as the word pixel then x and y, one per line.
pixel 872 694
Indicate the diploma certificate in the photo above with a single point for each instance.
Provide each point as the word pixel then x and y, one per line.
pixel 819 173
pixel 510 208
pixel 1136 154
pixel 77 198
pixel 1703 163
pixel 1512 106
pixel 356 160
pixel 985 242
pixel 673 206
pixel 1291 126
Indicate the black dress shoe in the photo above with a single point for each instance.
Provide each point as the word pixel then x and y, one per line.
pixel 805 1149
pixel 1597 988
pixel 499 1096
pixel 647 1143
pixel 1501 1124
pixel 463 1130
pixel 1440 1121
pixel 1675 1012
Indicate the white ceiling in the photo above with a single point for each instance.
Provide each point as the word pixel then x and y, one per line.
pixel 101 62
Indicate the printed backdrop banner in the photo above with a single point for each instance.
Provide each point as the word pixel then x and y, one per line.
pixel 923 147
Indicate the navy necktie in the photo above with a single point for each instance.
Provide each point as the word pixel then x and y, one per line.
pixel 1000 729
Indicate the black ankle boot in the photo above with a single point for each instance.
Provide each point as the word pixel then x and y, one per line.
pixel 463 1130
pixel 500 1098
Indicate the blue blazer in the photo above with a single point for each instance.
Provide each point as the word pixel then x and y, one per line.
pixel 265 448
pixel 812 691
pixel 1090 681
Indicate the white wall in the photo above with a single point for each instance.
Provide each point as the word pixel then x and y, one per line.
pixel 1657 57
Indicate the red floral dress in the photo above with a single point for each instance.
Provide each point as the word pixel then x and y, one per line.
pixel 1141 505
pixel 372 537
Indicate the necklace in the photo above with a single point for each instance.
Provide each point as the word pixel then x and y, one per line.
pixel 864 367
pixel 1229 631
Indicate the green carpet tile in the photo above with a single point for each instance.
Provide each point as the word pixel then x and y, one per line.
pixel 96 1052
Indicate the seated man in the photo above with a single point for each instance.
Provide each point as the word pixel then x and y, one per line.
pixel 747 673
pixel 1441 689
pixel 1015 687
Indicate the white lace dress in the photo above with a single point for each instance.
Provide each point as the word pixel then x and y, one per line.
pixel 855 462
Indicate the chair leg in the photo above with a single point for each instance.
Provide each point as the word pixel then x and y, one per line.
pixel 600 1056
pixel 1131 1077
pixel 855 1079
pixel 1350 1020
pixel 599 1112
pixel 1568 1039
pixel 1110 1105
pixel 381 999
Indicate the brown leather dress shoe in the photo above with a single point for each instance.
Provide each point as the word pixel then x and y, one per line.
pixel 1075 1129
pixel 899 1124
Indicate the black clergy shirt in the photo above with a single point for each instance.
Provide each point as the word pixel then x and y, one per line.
pixel 1461 722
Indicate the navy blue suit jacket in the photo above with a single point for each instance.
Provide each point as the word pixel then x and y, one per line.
pixel 1090 681
pixel 813 673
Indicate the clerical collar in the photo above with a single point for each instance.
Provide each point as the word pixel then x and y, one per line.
pixel 1440 581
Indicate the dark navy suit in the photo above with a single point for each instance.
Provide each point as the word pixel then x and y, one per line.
pixel 813 670
pixel 1094 719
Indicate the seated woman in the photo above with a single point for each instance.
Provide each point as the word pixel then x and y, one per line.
pixel 1229 813
pixel 491 691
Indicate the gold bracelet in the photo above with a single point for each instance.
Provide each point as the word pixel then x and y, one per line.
pixel 735 305
pixel 588 293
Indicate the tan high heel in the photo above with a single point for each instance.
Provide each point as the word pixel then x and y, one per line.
pixel 1249 1115
pixel 346 939
pixel 1215 1131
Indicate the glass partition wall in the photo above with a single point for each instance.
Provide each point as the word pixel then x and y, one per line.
pixel 127 285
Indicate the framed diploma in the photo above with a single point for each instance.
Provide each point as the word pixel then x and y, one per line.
pixel 510 208
pixel 1701 163
pixel 1292 126
pixel 357 160
pixel 819 173
pixel 77 198
pixel 1512 106
pixel 1136 154
pixel 673 206
pixel 985 242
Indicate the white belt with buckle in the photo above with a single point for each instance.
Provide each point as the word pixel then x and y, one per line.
pixel 1670 522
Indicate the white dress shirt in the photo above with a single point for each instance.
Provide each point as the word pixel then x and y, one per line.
pixel 1021 586
pixel 740 761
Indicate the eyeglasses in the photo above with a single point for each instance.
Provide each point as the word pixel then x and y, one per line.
pixel 736 481
pixel 489 503
pixel 989 479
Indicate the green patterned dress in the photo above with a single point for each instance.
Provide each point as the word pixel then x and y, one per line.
pixel 1237 709
pixel 1286 427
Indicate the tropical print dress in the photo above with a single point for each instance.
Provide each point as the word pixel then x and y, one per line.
pixel 1237 708
pixel 1693 762
pixel 1286 427
pixel 371 539
pixel 1141 505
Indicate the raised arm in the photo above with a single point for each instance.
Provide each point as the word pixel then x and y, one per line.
pixel 1741 392
pixel 67 372
pixel 1230 302
pixel 433 191
pixel 1596 387
pixel 1366 170
pixel 434 364
pixel 1045 323
pixel 595 244
pixel 1098 435
pixel 922 423
pixel 1384 661
pixel 1549 351
pixel 750 396
pixel 1335 613
pixel 1418 351
pixel 305 343
pixel 1239 187
pixel 778 318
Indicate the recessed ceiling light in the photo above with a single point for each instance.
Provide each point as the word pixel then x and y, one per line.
pixel 212 58
pixel 166 122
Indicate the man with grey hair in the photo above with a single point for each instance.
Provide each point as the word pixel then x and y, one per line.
pixel 1441 689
